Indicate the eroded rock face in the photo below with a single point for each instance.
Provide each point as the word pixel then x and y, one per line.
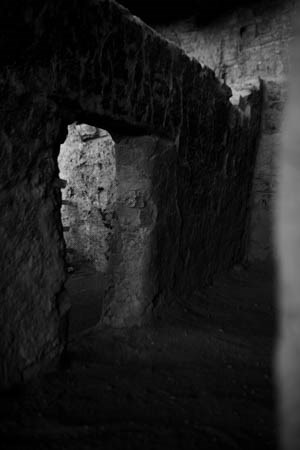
pixel 87 162
pixel 96 64
pixel 147 231
pixel 120 214
pixel 33 318
pixel 251 42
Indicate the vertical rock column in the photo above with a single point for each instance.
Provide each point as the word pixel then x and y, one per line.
pixel 146 231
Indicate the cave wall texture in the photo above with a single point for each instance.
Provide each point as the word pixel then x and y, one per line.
pixel 96 64
pixel 146 232
pixel 88 164
pixel 242 45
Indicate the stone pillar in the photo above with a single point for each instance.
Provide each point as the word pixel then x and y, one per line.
pixel 146 231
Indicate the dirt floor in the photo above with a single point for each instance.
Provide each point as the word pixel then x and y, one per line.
pixel 199 378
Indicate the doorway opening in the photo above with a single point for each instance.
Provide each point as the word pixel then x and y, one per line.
pixel 87 164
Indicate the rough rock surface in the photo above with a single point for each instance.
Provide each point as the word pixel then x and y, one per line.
pixel 241 46
pixel 87 162
pixel 146 231
pixel 94 63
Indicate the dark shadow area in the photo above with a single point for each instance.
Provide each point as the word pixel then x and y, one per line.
pixel 163 12
pixel 85 287
pixel 200 378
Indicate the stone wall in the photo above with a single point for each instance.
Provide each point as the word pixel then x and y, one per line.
pixel 241 47
pixel 87 162
pixel 33 319
pixel 146 231
pixel 94 63
pixel 120 214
